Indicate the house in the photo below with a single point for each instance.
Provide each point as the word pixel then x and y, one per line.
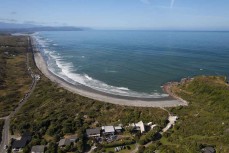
pixel 73 138
pixel 118 129
pixel 38 149
pixel 139 126
pixel 108 130
pixel 64 142
pixel 208 150
pixel 20 144
pixel 96 132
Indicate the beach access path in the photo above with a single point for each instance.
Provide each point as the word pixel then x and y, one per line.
pixel 105 97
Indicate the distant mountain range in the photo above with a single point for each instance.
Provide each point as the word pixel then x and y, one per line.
pixel 15 27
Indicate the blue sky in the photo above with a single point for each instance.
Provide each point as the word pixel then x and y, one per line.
pixel 120 14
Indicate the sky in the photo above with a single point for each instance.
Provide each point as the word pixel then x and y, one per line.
pixel 120 14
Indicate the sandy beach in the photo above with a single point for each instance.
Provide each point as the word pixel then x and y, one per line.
pixel 169 101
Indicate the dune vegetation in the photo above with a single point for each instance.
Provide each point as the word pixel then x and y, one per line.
pixel 14 78
pixel 205 121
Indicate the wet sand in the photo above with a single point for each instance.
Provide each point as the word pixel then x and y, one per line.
pixel 170 101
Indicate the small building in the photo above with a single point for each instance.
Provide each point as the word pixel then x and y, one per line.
pixel 108 130
pixel 96 132
pixel 118 129
pixel 208 150
pixel 73 138
pixel 139 126
pixel 64 142
pixel 20 144
pixel 38 149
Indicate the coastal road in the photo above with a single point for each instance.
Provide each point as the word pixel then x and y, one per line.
pixel 35 78
pixel 5 135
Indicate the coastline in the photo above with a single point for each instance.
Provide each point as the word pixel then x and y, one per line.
pixel 170 101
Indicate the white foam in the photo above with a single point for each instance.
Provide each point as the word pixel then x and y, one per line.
pixel 89 78
pixel 66 70
pixel 123 88
pixel 111 71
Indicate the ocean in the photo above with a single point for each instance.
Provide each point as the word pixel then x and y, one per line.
pixel 133 63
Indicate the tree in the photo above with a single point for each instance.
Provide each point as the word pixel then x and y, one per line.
pixel 52 148
pixel 141 149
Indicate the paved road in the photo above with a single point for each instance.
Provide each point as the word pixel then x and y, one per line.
pixel 6 133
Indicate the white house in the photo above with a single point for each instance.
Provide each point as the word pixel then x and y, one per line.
pixel 108 130
pixel 139 126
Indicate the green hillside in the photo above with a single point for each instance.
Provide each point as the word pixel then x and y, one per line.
pixel 205 122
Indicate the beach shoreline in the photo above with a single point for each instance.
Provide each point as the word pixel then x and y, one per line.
pixel 88 92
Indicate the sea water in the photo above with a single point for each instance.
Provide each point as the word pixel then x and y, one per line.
pixel 133 63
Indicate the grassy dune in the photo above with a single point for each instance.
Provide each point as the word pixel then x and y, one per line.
pixel 14 79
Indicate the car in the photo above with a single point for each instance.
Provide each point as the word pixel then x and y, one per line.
pixel 5 147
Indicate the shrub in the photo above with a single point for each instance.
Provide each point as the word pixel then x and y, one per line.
pixel 119 143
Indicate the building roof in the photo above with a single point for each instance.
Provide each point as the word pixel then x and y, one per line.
pixel 208 150
pixel 38 149
pixel 109 129
pixel 26 137
pixel 19 143
pixel 94 131
pixel 118 128
pixel 73 136
pixel 141 126
pixel 64 142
